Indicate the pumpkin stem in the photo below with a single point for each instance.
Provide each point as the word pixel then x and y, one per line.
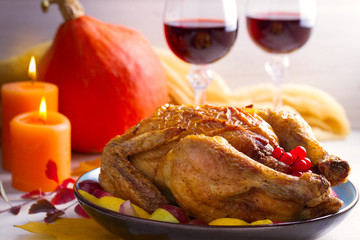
pixel 70 9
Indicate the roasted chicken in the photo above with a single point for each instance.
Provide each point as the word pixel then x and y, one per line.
pixel 216 162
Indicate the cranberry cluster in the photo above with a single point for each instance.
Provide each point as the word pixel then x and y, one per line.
pixel 296 158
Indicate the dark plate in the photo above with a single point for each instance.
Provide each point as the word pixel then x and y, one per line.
pixel 137 228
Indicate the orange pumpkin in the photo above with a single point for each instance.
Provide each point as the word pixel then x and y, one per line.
pixel 109 77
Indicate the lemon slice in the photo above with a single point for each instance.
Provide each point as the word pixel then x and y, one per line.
pixel 262 222
pixel 228 222
pixel 112 203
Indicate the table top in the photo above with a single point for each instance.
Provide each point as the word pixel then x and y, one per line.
pixel 348 229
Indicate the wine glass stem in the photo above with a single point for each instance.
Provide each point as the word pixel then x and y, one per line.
pixel 200 77
pixel 277 67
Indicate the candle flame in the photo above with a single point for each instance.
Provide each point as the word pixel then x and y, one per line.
pixel 42 110
pixel 32 69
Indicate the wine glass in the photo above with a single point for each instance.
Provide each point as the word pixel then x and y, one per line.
pixel 280 27
pixel 200 32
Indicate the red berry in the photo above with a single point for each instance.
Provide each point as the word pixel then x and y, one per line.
pixel 298 152
pixel 287 158
pixel 296 173
pixel 300 165
pixel 278 152
pixel 308 162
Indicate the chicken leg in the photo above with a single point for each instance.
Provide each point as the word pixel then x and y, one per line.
pixel 293 131
pixel 211 179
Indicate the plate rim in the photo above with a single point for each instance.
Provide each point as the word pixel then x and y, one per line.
pixel 342 211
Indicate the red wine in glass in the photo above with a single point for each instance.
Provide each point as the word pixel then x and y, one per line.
pixel 200 41
pixel 278 32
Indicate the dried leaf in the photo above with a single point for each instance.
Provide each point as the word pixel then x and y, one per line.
pixel 15 209
pixel 64 195
pixel 79 210
pixel 42 205
pixel 71 229
pixel 86 166
pixel 50 217
pixel 51 171
pixel 2 192
pixel 33 194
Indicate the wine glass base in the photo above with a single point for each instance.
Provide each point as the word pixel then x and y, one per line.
pixel 277 67
pixel 200 77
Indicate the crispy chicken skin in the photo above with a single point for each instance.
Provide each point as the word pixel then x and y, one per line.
pixel 293 131
pixel 211 179
pixel 216 162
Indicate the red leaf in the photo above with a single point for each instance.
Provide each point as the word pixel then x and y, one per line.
pixel 15 209
pixel 64 195
pixel 33 194
pixel 50 217
pixel 79 210
pixel 42 205
pixel 51 171
pixel 66 182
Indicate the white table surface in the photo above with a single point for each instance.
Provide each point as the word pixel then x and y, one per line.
pixel 348 229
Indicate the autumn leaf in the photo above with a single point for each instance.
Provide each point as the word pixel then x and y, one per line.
pixel 71 229
pixel 33 194
pixel 42 205
pixel 50 217
pixel 64 195
pixel 67 182
pixel 15 209
pixel 79 210
pixel 86 166
pixel 51 171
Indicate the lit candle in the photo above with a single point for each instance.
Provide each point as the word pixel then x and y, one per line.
pixel 38 137
pixel 20 97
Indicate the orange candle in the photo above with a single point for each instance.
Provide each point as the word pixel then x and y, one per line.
pixel 38 137
pixel 20 97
